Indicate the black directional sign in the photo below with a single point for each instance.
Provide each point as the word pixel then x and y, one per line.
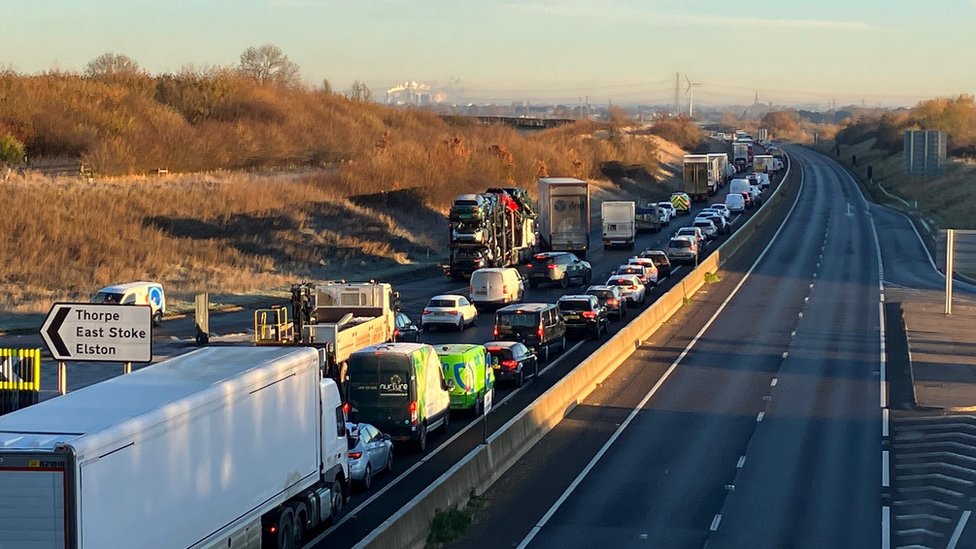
pixel 97 332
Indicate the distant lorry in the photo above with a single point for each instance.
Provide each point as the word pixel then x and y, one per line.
pixel 619 221
pixel 695 176
pixel 340 317
pixel 763 163
pixel 221 447
pixel 718 164
pixel 649 218
pixel 564 215
pixel 740 155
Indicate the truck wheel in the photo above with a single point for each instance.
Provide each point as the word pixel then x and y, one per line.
pixel 337 502
pixel 286 529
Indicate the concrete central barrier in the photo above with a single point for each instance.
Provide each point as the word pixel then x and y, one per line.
pixel 478 470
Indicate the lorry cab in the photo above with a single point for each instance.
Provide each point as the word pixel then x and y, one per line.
pixel 400 389
pixel 135 293
pixel 467 367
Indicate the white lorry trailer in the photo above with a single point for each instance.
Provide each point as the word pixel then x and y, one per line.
pixel 234 447
pixel 619 220
pixel 564 214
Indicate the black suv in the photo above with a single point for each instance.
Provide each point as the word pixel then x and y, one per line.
pixel 559 268
pixel 584 314
pixel 538 325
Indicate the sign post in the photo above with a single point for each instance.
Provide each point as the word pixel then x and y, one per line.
pixel 96 332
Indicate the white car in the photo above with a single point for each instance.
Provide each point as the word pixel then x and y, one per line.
pixel 763 181
pixel 707 227
pixel 649 266
pixel 668 207
pixel 722 209
pixel 721 224
pixel 665 215
pixel 631 289
pixel 449 310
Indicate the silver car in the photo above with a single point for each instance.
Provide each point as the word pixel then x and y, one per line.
pixel 370 452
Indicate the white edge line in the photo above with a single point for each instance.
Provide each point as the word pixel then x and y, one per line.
pixel 715 522
pixel 350 514
pixel 957 533
pixel 633 413
pixel 885 527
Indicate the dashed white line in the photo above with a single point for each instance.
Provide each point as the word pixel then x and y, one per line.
pixel 774 382
pixel 760 417
pixel 957 533
pixel 885 527
pixel 884 422
pixel 786 354
pixel 715 522
pixel 742 461
pixel 885 474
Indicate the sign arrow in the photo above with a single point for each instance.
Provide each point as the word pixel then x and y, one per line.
pixel 52 331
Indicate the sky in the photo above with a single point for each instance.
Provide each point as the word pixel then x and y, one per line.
pixel 790 52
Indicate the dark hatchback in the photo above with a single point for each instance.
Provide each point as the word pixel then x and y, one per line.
pixel 512 361
pixel 584 314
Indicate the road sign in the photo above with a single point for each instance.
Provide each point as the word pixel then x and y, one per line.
pixel 96 332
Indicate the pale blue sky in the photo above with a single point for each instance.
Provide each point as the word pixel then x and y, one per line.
pixel 791 51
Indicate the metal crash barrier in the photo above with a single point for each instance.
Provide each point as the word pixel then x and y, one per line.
pixel 20 378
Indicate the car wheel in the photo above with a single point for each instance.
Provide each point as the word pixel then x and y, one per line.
pixel 460 325
pixel 562 344
pixel 535 374
pixel 447 418
pixel 588 276
pixel 597 332
pixel 564 281
pixel 545 353
pixel 421 441
pixel 520 378
pixel 389 460
pixel 368 477
pixel 479 406
pixel 533 284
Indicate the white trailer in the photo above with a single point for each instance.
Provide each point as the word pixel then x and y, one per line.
pixel 619 220
pixel 237 447
pixel 564 214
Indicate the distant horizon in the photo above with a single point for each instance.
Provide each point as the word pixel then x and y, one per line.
pixel 882 53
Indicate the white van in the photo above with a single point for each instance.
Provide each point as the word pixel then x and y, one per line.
pixel 739 186
pixel 135 293
pixel 735 202
pixel 496 286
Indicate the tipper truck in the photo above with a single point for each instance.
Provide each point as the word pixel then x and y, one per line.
pixel 564 214
pixel 235 447
pixel 339 317
pixel 492 229
pixel 695 176
pixel 619 220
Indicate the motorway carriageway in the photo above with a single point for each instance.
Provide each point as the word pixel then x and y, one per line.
pixel 415 471
pixel 753 419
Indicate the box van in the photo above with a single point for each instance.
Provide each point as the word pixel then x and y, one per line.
pixel 538 325
pixel 400 389
pixel 496 286
pixel 467 367
pixel 735 202
pixel 739 186
pixel 135 293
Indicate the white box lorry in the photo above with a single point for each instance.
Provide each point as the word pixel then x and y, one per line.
pixel 619 220
pixel 239 447
pixel 564 214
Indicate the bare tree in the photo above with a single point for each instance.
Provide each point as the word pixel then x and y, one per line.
pixel 269 65
pixel 111 63
pixel 360 92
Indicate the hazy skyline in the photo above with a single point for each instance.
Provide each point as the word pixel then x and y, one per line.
pixel 891 52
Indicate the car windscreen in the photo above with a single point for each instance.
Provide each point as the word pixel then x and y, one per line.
pixel 106 297
pixel 379 379
pixel 514 320
pixel 442 303
pixel 574 305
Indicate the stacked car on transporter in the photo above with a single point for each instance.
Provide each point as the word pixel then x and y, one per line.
pixel 492 229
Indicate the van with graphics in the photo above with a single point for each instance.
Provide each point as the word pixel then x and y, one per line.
pixel 135 293
pixel 400 389
pixel 466 366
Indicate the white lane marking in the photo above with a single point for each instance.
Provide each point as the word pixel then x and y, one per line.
pixel 800 314
pixel 885 480
pixel 786 355
pixel 773 382
pixel 957 533
pixel 883 369
pixel 674 365
pixel 760 417
pixel 715 522
pixel 884 422
pixel 885 527
pixel 425 459
pixel 793 333
pixel 742 461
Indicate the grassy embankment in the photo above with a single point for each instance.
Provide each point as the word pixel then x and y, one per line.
pixel 266 186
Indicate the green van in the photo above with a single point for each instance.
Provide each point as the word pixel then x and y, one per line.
pixel 467 369
pixel 400 389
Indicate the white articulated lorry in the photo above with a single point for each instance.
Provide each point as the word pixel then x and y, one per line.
pixel 564 214
pixel 619 220
pixel 224 447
